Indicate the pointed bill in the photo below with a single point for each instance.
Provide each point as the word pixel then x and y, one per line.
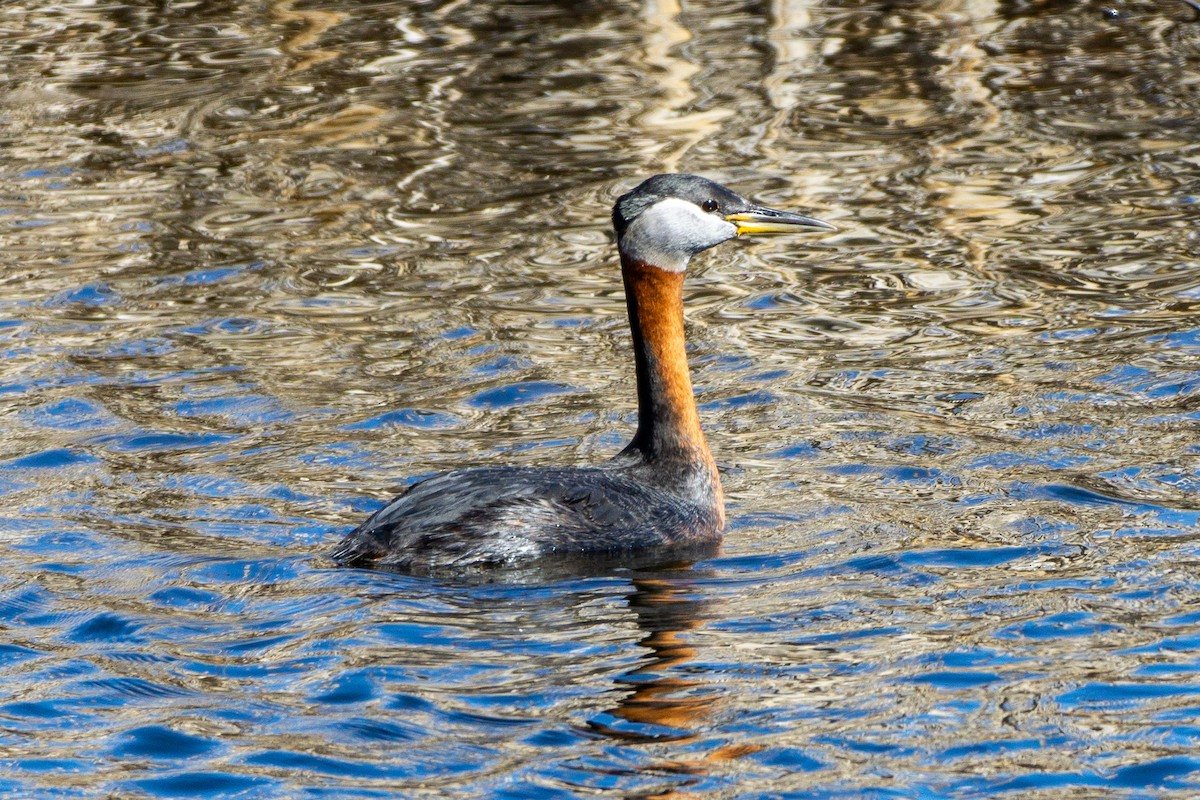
pixel 768 220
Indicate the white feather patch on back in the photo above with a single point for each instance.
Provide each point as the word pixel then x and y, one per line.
pixel 670 232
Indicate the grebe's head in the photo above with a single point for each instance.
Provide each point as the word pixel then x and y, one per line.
pixel 668 219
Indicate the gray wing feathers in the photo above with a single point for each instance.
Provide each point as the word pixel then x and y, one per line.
pixel 505 515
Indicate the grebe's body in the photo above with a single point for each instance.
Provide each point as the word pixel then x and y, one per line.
pixel 662 492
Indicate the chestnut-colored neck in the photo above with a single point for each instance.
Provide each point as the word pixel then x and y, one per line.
pixel 668 423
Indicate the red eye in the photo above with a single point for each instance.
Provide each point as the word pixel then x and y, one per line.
pixel 710 205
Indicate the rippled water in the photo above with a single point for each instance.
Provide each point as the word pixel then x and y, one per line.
pixel 262 264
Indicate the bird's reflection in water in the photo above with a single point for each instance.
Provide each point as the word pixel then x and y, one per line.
pixel 662 704
pixel 665 701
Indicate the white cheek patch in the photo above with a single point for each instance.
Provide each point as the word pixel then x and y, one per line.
pixel 670 232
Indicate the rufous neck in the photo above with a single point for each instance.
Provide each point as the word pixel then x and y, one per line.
pixel 668 423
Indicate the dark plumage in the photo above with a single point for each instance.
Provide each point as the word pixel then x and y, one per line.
pixel 662 492
pixel 497 515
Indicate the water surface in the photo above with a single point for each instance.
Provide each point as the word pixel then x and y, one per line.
pixel 262 265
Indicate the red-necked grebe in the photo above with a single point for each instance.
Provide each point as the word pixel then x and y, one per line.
pixel 661 492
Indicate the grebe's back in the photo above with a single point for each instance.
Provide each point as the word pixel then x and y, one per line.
pixel 492 516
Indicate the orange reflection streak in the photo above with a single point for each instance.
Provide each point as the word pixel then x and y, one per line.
pixel 674 707
pixel 314 23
